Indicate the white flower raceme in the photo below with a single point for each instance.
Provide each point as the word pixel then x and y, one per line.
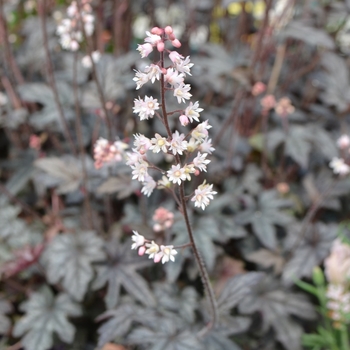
pixel 176 174
pixel 339 167
pixel 178 144
pixel 337 264
pixel 202 195
pixel 138 240
pixel 159 143
pixel 192 111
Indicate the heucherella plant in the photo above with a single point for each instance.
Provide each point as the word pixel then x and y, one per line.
pixel 187 150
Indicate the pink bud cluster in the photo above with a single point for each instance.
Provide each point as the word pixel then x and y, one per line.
pixel 107 152
pixel 158 253
pixel 194 146
pixel 340 165
pixel 70 29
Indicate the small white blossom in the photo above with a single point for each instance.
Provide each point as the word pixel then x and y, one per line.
pixel 200 162
pixel 138 240
pixel 164 182
pixel 159 143
pixel 142 143
pixel 192 111
pixel 182 93
pixel 133 158
pixel 140 79
pixel 168 253
pixel 140 170
pixel 148 186
pixel 145 49
pixel 176 174
pixel 178 144
pixel 206 146
pixel 174 78
pixel 153 72
pixel 189 169
pixel 153 39
pixel 202 195
pixel 153 249
pixel 86 60
pixel 200 133
pixel 145 108
pixel 339 167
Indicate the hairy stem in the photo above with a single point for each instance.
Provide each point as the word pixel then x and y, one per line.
pixel 209 291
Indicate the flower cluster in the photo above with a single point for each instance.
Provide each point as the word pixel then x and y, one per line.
pixel 339 165
pixel 158 253
pixel 163 219
pixel 107 152
pixel 338 302
pixel 194 146
pixel 70 29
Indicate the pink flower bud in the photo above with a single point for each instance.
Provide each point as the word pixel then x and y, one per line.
pixel 176 43
pixel 142 250
pixel 183 120
pixel 164 71
pixel 160 46
pixel 196 172
pixel 157 31
pixel 168 30
pixel 158 257
pixel 171 37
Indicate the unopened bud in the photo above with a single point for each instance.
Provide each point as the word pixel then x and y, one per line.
pixel 160 46
pixel 142 250
pixel 183 120
pixel 157 31
pixel 172 37
pixel 168 30
pixel 176 43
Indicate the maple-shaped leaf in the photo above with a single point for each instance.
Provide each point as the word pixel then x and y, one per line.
pixel 166 333
pixel 5 308
pixel 120 271
pixel 276 305
pixel 264 215
pixel 298 143
pixel 310 245
pixel 267 258
pixel 46 314
pixel 118 323
pixel 69 259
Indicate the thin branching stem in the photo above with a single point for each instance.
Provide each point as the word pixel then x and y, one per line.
pixel 51 77
pixel 209 291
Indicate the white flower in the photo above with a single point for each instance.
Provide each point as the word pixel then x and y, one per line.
pixel 200 133
pixel 176 174
pixel 164 182
pixel 142 143
pixel 168 253
pixel 206 146
pixel 145 108
pixel 192 111
pixel 140 79
pixel 153 72
pixel 140 170
pixel 148 186
pixel 138 240
pixel 133 158
pixel 202 195
pixel 159 143
pixel 86 60
pixel 153 39
pixel 145 49
pixel 173 77
pixel 339 167
pixel 182 93
pixel 200 162
pixel 343 142
pixel 153 249
pixel 177 144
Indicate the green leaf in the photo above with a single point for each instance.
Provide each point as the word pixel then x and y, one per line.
pixel 69 259
pixel 46 314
